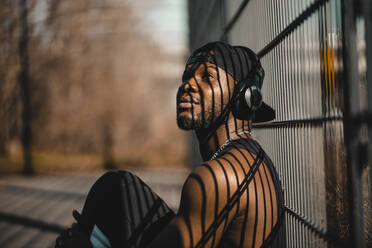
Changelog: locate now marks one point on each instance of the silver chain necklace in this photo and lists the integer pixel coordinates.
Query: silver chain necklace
(227, 142)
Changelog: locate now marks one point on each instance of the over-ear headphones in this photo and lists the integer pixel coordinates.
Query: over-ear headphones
(248, 96)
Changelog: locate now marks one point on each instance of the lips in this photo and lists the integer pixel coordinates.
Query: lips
(186, 102)
(185, 105)
(189, 99)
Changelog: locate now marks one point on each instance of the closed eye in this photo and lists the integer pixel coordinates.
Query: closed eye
(207, 76)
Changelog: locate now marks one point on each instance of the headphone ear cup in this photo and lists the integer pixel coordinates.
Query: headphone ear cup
(253, 98)
(249, 95)
(249, 99)
(240, 107)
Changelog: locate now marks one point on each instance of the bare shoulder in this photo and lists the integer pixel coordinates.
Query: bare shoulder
(216, 181)
(207, 192)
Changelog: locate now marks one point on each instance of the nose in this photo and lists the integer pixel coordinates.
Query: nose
(189, 85)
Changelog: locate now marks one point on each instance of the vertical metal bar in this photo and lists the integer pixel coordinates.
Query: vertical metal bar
(299, 133)
(282, 68)
(275, 51)
(262, 19)
(293, 72)
(296, 47)
(286, 145)
(308, 142)
(351, 108)
(287, 53)
(300, 129)
(307, 65)
(314, 132)
(308, 74)
(304, 127)
(333, 56)
(285, 115)
(367, 7)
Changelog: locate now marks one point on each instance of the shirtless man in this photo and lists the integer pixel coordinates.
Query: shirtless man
(233, 199)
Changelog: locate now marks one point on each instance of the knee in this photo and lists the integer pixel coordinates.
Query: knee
(107, 187)
(109, 176)
(113, 178)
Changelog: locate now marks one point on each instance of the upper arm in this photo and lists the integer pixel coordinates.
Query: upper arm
(203, 215)
(201, 210)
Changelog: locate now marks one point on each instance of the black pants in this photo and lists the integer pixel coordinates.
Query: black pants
(125, 210)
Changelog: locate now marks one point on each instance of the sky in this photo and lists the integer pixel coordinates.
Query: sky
(164, 20)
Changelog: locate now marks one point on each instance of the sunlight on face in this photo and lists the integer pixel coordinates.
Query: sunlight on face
(203, 95)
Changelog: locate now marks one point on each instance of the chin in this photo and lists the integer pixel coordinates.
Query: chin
(188, 121)
(185, 123)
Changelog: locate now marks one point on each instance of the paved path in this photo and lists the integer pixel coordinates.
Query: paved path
(33, 209)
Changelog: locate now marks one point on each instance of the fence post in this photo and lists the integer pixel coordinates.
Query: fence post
(367, 8)
(351, 128)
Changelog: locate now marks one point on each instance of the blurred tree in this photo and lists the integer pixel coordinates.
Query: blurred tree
(24, 81)
(15, 112)
(99, 86)
(9, 91)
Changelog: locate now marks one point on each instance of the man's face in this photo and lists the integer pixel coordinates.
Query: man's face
(203, 95)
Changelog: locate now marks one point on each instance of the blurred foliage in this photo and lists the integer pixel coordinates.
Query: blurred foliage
(98, 86)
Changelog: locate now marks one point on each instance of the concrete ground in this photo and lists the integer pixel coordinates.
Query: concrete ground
(34, 209)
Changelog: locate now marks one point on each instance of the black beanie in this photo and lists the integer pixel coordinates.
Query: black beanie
(238, 61)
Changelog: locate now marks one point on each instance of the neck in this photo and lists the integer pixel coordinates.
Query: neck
(232, 128)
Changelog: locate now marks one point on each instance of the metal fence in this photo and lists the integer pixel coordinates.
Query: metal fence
(315, 55)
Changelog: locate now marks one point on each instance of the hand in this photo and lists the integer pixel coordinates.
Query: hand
(75, 236)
